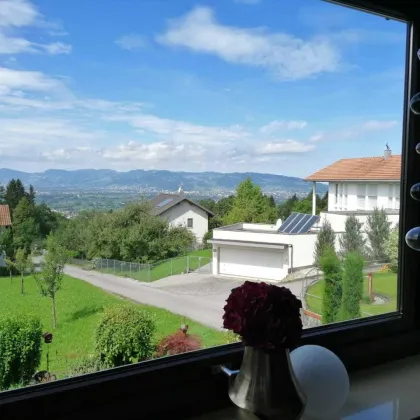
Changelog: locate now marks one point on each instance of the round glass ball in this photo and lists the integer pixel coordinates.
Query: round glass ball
(412, 238)
(415, 191)
(418, 148)
(415, 104)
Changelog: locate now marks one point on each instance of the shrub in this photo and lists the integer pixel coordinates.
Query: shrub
(20, 350)
(352, 239)
(124, 336)
(391, 248)
(231, 337)
(352, 286)
(325, 241)
(378, 230)
(386, 268)
(178, 343)
(208, 235)
(86, 365)
(331, 300)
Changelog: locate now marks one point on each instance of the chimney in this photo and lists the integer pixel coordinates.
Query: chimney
(387, 152)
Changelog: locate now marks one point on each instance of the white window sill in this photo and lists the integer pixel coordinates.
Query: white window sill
(386, 392)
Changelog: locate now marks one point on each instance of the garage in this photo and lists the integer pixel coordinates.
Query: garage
(259, 263)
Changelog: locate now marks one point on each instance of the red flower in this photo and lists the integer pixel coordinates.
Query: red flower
(264, 315)
(47, 337)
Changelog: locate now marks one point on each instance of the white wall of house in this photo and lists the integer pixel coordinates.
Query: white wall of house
(354, 196)
(179, 214)
(246, 259)
(338, 220)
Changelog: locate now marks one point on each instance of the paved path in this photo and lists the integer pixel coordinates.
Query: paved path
(200, 297)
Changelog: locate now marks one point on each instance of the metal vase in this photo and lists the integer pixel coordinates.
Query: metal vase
(267, 386)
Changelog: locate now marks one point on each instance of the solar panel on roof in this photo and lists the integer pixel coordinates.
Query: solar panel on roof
(298, 223)
(164, 202)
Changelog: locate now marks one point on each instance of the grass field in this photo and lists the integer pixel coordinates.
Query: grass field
(79, 308)
(158, 271)
(384, 284)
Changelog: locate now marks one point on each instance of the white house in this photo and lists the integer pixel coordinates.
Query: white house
(262, 251)
(357, 186)
(181, 211)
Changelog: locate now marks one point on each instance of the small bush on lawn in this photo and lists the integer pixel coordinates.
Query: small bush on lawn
(124, 336)
(20, 350)
(231, 337)
(86, 365)
(178, 343)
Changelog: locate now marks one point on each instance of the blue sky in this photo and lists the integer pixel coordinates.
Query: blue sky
(275, 86)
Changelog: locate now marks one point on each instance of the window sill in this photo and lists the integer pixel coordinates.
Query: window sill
(386, 392)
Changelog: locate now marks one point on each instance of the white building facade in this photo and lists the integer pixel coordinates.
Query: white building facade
(179, 210)
(259, 251)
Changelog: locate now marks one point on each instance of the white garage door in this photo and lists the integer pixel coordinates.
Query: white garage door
(264, 264)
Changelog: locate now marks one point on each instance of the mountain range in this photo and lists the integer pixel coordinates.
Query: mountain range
(155, 181)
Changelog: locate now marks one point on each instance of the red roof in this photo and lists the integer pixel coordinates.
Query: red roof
(5, 219)
(361, 169)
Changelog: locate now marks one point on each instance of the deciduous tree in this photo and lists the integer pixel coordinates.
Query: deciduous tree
(391, 247)
(22, 264)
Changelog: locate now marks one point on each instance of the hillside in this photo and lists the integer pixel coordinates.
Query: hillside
(202, 183)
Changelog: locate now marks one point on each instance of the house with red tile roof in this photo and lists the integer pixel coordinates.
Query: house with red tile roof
(5, 219)
(359, 185)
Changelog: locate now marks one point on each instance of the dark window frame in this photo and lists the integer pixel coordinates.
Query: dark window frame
(190, 225)
(182, 385)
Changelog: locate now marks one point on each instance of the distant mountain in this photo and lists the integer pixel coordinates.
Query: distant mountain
(151, 181)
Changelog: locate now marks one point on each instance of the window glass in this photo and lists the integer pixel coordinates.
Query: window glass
(157, 154)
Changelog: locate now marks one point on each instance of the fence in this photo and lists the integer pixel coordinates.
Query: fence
(372, 292)
(148, 272)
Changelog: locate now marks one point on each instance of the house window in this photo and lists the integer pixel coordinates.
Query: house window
(361, 197)
(336, 194)
(345, 186)
(397, 197)
(190, 223)
(390, 196)
(372, 193)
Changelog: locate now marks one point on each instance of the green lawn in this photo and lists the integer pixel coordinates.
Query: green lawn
(79, 308)
(160, 270)
(384, 284)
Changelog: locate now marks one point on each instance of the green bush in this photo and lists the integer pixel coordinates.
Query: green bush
(124, 336)
(352, 286)
(325, 241)
(331, 301)
(20, 350)
(86, 365)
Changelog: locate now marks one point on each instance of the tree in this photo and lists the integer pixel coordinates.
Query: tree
(6, 242)
(352, 286)
(323, 203)
(2, 195)
(332, 293)
(378, 230)
(15, 191)
(250, 205)
(324, 241)
(25, 227)
(50, 278)
(285, 209)
(22, 263)
(302, 206)
(391, 247)
(352, 239)
(31, 194)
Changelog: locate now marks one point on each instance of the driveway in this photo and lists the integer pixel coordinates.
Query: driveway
(200, 297)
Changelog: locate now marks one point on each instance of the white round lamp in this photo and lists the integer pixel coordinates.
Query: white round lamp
(323, 380)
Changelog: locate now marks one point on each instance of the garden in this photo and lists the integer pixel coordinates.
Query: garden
(80, 309)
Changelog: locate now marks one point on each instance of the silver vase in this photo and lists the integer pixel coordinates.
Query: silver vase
(267, 386)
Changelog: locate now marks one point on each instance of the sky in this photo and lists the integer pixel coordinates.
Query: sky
(271, 86)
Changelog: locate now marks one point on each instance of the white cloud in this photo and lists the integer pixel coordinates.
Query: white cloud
(29, 80)
(131, 42)
(354, 131)
(283, 147)
(17, 14)
(57, 48)
(286, 56)
(374, 125)
(275, 126)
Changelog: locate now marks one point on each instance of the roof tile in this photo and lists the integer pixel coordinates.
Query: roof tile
(5, 219)
(361, 169)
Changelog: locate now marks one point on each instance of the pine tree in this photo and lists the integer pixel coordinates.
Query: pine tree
(31, 194)
(324, 241)
(332, 292)
(352, 239)
(15, 191)
(352, 286)
(378, 230)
